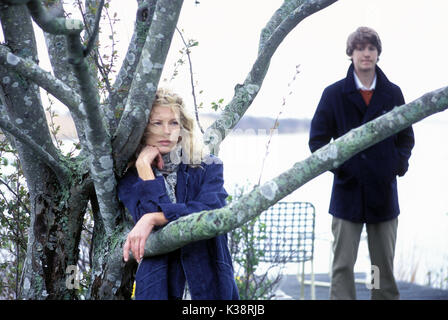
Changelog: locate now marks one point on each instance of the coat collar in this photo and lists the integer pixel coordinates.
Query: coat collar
(382, 82)
(381, 93)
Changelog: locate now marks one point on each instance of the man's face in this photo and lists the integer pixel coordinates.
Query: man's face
(365, 57)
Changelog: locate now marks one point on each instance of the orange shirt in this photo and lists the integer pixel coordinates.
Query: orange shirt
(366, 95)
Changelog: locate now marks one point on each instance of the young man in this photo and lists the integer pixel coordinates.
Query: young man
(365, 186)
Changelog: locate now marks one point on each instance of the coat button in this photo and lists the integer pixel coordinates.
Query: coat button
(363, 156)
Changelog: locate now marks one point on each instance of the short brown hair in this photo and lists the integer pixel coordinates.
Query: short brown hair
(361, 37)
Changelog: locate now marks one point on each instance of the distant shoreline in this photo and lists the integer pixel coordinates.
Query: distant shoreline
(255, 124)
(248, 125)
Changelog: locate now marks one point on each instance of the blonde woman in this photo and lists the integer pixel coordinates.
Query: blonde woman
(170, 177)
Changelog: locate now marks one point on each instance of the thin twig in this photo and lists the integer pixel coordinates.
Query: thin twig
(99, 60)
(112, 32)
(100, 65)
(187, 49)
(10, 226)
(54, 129)
(96, 28)
(96, 56)
(15, 195)
(276, 123)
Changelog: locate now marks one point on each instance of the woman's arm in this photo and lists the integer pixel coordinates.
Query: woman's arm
(148, 156)
(150, 205)
(209, 195)
(136, 239)
(142, 196)
(131, 194)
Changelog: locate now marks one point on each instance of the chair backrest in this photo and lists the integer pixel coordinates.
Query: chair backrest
(287, 232)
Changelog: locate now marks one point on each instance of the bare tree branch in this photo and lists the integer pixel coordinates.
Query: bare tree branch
(98, 139)
(141, 73)
(277, 18)
(246, 93)
(93, 34)
(19, 93)
(51, 24)
(57, 52)
(24, 108)
(145, 82)
(187, 50)
(275, 126)
(27, 68)
(123, 81)
(95, 61)
(57, 48)
(208, 224)
(58, 168)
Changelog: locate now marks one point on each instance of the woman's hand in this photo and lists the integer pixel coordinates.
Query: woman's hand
(136, 239)
(149, 155)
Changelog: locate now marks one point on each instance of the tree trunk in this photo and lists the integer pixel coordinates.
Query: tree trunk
(61, 188)
(49, 250)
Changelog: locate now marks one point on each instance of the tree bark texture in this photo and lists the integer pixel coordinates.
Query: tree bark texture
(109, 132)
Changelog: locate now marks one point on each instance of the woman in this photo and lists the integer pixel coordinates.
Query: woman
(159, 188)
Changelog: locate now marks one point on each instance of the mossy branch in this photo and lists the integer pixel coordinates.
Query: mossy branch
(61, 171)
(51, 24)
(44, 79)
(290, 15)
(116, 100)
(208, 224)
(145, 81)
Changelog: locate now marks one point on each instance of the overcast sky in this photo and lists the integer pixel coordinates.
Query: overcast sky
(414, 36)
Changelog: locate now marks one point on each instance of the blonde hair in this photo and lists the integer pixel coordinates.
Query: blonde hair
(193, 149)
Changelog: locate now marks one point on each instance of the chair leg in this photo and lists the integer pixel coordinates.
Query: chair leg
(302, 284)
(313, 288)
(299, 279)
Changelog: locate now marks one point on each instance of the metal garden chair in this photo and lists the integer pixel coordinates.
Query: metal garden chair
(287, 230)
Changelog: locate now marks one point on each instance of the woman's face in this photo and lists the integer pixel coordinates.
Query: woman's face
(163, 130)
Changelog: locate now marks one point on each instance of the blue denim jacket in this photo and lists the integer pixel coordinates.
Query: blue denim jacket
(205, 265)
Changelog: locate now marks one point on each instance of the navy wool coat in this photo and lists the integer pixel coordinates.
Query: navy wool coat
(205, 265)
(365, 186)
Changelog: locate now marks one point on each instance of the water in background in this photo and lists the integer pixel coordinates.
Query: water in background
(422, 243)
